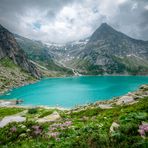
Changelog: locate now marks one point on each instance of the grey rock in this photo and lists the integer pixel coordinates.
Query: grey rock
(112, 52)
(50, 118)
(10, 49)
(10, 119)
(114, 127)
(125, 100)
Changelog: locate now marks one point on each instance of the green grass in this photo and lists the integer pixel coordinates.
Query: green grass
(132, 65)
(12, 75)
(6, 62)
(9, 111)
(89, 128)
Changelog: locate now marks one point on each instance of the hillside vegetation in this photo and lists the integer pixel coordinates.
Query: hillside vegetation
(11, 75)
(39, 52)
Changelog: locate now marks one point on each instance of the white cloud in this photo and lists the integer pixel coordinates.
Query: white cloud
(67, 20)
(146, 7)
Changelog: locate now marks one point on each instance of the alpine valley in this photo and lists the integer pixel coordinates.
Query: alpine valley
(73, 73)
(105, 52)
(96, 122)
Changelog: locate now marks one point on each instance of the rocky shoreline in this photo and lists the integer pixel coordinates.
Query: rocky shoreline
(127, 99)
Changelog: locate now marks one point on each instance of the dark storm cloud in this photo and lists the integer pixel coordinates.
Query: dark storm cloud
(132, 18)
(13, 9)
(66, 20)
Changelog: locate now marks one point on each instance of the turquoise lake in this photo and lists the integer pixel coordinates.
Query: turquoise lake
(71, 91)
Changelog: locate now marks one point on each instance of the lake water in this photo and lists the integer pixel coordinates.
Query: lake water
(71, 91)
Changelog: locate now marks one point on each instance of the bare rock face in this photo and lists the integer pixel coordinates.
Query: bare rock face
(109, 51)
(10, 49)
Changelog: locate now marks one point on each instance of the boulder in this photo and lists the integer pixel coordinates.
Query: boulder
(105, 106)
(125, 100)
(144, 87)
(50, 118)
(114, 126)
(10, 119)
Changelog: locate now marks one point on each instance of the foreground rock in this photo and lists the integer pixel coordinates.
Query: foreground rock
(125, 100)
(9, 102)
(50, 118)
(132, 97)
(114, 127)
(105, 106)
(10, 119)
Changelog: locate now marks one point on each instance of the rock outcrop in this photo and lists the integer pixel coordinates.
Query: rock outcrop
(10, 49)
(125, 100)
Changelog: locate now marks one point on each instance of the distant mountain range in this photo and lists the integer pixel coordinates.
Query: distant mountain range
(105, 52)
(40, 53)
(111, 52)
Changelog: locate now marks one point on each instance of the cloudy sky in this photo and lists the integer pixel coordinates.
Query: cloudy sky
(66, 20)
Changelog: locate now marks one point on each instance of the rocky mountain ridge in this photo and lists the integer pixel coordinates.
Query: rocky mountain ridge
(44, 55)
(106, 52)
(10, 49)
(111, 52)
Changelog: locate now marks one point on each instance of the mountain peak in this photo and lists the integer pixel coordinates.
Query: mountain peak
(104, 25)
(2, 28)
(103, 32)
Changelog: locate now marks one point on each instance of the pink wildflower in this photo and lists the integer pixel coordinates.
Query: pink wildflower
(143, 129)
(37, 132)
(54, 134)
(141, 132)
(35, 127)
(13, 129)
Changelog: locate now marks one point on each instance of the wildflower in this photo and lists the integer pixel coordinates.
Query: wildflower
(141, 132)
(13, 129)
(62, 128)
(143, 129)
(67, 123)
(35, 127)
(54, 134)
(52, 129)
(38, 131)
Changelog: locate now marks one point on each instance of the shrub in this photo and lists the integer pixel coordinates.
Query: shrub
(33, 111)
